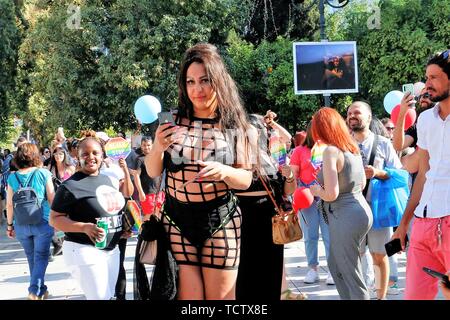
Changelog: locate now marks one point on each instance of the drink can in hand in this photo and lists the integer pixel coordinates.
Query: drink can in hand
(104, 226)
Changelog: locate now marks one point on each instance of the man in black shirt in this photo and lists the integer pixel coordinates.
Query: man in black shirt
(147, 187)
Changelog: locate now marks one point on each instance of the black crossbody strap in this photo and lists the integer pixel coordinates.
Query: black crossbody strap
(373, 151)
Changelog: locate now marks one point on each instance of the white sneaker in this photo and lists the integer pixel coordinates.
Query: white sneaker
(311, 277)
(373, 293)
(330, 280)
(393, 289)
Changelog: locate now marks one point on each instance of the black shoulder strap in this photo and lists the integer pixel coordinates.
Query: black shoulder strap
(373, 151)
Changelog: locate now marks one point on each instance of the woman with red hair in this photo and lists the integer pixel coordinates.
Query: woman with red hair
(342, 203)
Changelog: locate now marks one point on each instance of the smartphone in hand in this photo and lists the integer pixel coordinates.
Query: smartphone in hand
(408, 87)
(440, 276)
(394, 246)
(166, 117)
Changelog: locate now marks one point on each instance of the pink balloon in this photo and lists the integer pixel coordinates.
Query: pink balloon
(303, 198)
(410, 117)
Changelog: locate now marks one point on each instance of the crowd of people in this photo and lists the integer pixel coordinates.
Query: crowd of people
(209, 177)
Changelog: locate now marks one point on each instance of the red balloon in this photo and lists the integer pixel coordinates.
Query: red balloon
(410, 117)
(303, 198)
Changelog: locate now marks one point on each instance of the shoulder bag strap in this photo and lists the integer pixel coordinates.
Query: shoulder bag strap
(373, 151)
(277, 209)
(18, 180)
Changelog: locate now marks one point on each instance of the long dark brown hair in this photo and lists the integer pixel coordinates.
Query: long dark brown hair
(230, 111)
(309, 140)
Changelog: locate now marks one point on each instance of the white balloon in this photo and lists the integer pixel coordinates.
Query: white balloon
(146, 109)
(391, 99)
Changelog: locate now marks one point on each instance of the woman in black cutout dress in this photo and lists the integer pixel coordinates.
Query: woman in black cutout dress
(204, 164)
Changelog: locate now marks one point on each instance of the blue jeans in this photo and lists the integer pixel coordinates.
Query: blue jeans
(314, 220)
(35, 240)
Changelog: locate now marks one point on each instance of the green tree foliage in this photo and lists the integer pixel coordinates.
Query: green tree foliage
(9, 42)
(269, 19)
(90, 77)
(266, 79)
(396, 53)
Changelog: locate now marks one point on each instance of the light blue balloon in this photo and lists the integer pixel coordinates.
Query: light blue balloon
(392, 99)
(146, 109)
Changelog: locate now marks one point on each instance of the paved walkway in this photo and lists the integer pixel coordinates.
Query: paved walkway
(14, 273)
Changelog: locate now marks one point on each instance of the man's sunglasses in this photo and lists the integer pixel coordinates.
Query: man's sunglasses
(426, 95)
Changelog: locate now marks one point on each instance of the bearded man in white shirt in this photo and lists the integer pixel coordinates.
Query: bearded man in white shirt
(430, 197)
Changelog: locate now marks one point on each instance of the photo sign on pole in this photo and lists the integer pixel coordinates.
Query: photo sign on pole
(117, 148)
(325, 67)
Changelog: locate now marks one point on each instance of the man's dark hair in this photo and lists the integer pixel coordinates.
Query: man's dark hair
(442, 60)
(363, 103)
(146, 138)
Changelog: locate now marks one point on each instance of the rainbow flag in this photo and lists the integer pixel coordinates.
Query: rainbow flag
(133, 208)
(317, 154)
(277, 149)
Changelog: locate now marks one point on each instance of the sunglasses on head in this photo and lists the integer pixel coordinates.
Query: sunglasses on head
(444, 55)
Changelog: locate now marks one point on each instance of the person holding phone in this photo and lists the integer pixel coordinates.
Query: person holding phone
(206, 157)
(430, 196)
(402, 139)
